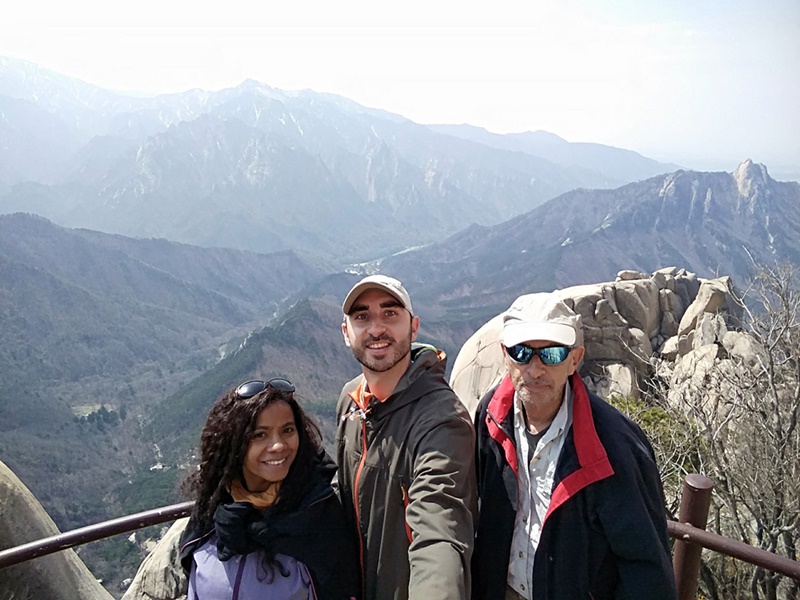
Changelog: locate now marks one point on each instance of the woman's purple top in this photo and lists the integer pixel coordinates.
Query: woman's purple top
(245, 577)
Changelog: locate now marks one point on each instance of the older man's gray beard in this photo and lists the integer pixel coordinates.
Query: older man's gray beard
(399, 351)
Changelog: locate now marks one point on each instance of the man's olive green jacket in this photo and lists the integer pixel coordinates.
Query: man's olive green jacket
(407, 481)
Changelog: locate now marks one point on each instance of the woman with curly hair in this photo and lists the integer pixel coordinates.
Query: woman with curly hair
(266, 521)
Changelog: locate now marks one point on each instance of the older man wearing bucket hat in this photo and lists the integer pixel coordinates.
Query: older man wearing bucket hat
(571, 500)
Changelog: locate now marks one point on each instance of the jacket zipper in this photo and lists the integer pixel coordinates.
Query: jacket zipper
(355, 501)
(405, 509)
(238, 581)
(311, 579)
(496, 422)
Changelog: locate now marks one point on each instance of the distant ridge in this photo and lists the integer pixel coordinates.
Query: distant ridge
(710, 222)
(256, 168)
(618, 164)
(131, 300)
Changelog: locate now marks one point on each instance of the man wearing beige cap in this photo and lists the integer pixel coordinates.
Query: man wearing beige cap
(570, 495)
(406, 451)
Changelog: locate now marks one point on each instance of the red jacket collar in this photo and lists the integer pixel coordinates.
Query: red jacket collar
(500, 405)
(592, 457)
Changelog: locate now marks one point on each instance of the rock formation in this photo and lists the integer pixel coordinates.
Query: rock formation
(160, 576)
(626, 323)
(59, 576)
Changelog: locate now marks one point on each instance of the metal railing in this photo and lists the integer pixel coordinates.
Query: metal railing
(689, 533)
(691, 537)
(92, 533)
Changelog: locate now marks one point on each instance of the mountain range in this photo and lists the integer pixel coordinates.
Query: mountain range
(709, 223)
(95, 324)
(121, 322)
(261, 169)
(156, 251)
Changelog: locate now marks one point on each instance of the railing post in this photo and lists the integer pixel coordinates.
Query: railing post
(695, 502)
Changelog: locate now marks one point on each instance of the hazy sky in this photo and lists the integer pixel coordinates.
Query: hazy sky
(696, 82)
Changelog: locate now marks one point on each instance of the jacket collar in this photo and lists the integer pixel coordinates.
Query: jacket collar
(425, 359)
(500, 421)
(592, 457)
(318, 488)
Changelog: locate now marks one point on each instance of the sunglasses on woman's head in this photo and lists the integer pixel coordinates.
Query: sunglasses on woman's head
(250, 388)
(552, 355)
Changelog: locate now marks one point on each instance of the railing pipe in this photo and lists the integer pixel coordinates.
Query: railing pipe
(91, 533)
(685, 533)
(735, 549)
(695, 502)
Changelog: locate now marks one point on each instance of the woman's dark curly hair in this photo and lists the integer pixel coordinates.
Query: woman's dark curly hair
(223, 447)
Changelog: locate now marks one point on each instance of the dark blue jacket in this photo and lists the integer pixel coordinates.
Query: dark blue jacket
(604, 535)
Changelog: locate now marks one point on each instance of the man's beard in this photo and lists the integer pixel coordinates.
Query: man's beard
(399, 351)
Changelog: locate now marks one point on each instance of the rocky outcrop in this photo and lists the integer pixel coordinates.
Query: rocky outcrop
(709, 359)
(626, 323)
(160, 576)
(59, 576)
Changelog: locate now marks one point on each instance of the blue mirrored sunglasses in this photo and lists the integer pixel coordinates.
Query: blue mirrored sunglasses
(552, 355)
(250, 388)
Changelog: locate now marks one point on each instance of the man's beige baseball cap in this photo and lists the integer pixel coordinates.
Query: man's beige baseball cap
(390, 285)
